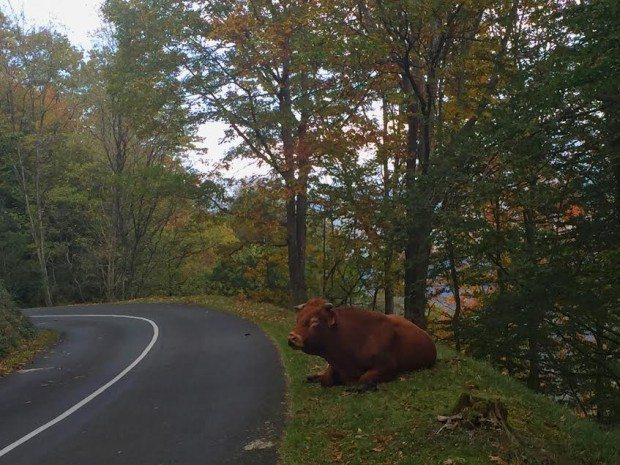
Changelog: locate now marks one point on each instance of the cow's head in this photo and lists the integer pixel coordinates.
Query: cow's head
(314, 321)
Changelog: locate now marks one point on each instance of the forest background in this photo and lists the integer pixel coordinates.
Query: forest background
(454, 161)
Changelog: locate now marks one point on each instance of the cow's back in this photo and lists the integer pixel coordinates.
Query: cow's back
(363, 333)
(414, 347)
(366, 335)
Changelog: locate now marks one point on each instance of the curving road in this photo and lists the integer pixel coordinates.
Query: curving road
(144, 384)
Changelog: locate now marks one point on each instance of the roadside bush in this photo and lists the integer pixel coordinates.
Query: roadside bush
(14, 326)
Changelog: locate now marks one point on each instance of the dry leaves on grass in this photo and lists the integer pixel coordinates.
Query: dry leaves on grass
(335, 450)
(382, 441)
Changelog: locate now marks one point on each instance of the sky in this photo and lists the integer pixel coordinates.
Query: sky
(79, 20)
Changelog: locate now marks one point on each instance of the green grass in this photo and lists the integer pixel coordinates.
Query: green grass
(398, 424)
(25, 351)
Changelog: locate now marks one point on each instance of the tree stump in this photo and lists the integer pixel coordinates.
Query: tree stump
(473, 412)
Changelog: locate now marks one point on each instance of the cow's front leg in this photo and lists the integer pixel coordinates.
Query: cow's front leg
(327, 379)
(369, 380)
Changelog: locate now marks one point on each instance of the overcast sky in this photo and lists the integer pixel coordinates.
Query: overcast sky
(79, 20)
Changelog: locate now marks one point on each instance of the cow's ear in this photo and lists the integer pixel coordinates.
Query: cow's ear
(331, 315)
(298, 307)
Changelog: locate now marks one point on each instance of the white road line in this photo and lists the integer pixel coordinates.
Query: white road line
(86, 400)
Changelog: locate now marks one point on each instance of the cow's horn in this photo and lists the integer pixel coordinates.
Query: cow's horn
(299, 307)
(329, 305)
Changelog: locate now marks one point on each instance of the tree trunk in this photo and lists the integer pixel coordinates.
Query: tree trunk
(612, 125)
(413, 311)
(499, 246)
(324, 259)
(295, 176)
(456, 291)
(536, 315)
(42, 256)
(388, 280)
(116, 147)
(296, 212)
(41, 246)
(388, 283)
(417, 256)
(420, 118)
(117, 240)
(389, 299)
(533, 353)
(299, 290)
(600, 391)
(35, 220)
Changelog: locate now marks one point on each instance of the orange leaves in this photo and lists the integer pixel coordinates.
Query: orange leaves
(574, 211)
(44, 108)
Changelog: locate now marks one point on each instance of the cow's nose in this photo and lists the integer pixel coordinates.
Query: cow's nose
(294, 340)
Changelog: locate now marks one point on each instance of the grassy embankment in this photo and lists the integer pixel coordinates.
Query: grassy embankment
(25, 351)
(19, 339)
(398, 424)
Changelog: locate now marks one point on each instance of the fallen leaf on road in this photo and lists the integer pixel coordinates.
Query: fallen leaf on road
(258, 444)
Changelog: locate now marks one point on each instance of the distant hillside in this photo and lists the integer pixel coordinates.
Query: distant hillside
(14, 327)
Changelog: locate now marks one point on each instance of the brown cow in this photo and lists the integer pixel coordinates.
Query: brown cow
(361, 346)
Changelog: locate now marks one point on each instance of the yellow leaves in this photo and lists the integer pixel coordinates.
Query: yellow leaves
(260, 32)
(233, 28)
(25, 351)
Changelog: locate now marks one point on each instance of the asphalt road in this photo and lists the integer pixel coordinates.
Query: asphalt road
(179, 385)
